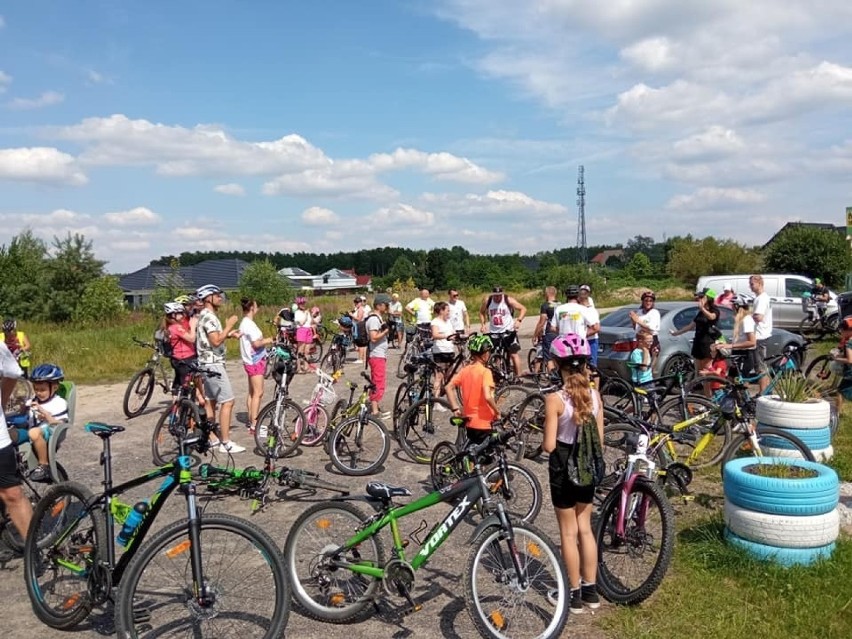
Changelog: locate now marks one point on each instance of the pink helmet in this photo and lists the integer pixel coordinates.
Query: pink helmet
(301, 300)
(568, 346)
(315, 310)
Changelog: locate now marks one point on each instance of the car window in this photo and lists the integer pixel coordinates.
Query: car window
(795, 287)
(684, 317)
(618, 319)
(726, 319)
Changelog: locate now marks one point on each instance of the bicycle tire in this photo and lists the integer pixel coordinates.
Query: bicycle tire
(491, 593)
(617, 393)
(348, 451)
(620, 440)
(614, 553)
(509, 397)
(810, 328)
(740, 444)
(697, 385)
(530, 417)
(138, 393)
(10, 534)
(281, 432)
(338, 410)
(821, 369)
(532, 358)
(322, 333)
(681, 445)
(315, 425)
(407, 356)
(61, 598)
(331, 361)
(243, 569)
(164, 446)
(524, 502)
(401, 403)
(341, 596)
(445, 467)
(314, 354)
(417, 429)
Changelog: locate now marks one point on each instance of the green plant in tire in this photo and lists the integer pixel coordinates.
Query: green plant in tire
(795, 388)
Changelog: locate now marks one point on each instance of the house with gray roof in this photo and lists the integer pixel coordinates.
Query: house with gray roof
(139, 286)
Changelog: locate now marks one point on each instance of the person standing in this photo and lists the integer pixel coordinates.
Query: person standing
(304, 333)
(572, 317)
(181, 336)
(762, 314)
(443, 350)
(395, 318)
(475, 382)
(377, 329)
(544, 332)
(358, 314)
(496, 313)
(459, 317)
(593, 338)
(704, 325)
(18, 344)
(726, 299)
(210, 345)
(421, 311)
(647, 318)
(253, 353)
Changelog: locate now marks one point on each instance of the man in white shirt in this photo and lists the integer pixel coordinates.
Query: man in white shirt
(762, 314)
(459, 317)
(17, 505)
(421, 310)
(573, 317)
(496, 317)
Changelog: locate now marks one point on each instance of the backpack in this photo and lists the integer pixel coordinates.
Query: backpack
(163, 341)
(359, 333)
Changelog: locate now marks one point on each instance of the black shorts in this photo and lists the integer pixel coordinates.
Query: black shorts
(701, 347)
(443, 358)
(508, 340)
(9, 468)
(563, 492)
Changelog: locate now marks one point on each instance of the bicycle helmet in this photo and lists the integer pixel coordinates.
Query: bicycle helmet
(480, 344)
(300, 300)
(572, 291)
(9, 325)
(207, 290)
(742, 300)
(649, 294)
(182, 299)
(570, 346)
(47, 373)
(170, 308)
(345, 321)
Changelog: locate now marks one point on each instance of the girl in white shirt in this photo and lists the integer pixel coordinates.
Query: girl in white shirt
(443, 349)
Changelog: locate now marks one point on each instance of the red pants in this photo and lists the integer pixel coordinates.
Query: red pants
(378, 375)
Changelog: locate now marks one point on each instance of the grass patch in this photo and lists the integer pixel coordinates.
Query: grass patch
(715, 590)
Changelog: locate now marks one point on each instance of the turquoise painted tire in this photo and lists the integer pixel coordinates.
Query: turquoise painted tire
(775, 496)
(814, 438)
(784, 556)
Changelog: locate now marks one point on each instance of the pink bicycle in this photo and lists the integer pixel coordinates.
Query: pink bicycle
(316, 419)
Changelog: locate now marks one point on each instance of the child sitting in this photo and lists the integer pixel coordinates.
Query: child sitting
(640, 359)
(718, 364)
(48, 410)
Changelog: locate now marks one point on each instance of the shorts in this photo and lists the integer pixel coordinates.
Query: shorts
(304, 335)
(508, 340)
(443, 358)
(477, 435)
(701, 347)
(546, 342)
(9, 477)
(563, 492)
(253, 370)
(22, 435)
(218, 389)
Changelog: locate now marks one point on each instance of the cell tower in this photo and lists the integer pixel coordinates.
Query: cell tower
(581, 217)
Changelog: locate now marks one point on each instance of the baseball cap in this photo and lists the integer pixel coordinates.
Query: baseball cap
(708, 292)
(381, 298)
(585, 287)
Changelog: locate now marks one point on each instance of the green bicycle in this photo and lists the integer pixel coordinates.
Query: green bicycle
(514, 579)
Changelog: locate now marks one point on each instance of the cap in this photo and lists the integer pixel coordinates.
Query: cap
(727, 287)
(381, 298)
(585, 287)
(706, 292)
(497, 289)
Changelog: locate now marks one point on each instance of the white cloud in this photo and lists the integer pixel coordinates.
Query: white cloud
(400, 216)
(492, 203)
(444, 166)
(318, 216)
(652, 54)
(94, 77)
(714, 142)
(708, 198)
(329, 182)
(229, 189)
(48, 98)
(40, 164)
(139, 216)
(5, 81)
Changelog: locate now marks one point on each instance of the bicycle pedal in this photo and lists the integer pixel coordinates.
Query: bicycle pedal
(408, 610)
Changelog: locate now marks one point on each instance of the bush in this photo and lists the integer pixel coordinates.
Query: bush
(102, 300)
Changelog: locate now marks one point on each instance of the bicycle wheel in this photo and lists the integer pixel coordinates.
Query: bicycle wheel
(520, 492)
(704, 443)
(60, 576)
(824, 370)
(359, 447)
(631, 566)
(322, 333)
(496, 603)
(402, 402)
(617, 393)
(509, 397)
(10, 534)
(810, 328)
(530, 417)
(418, 430)
(338, 410)
(314, 426)
(332, 361)
(406, 358)
(314, 352)
(711, 386)
(314, 553)
(533, 360)
(445, 467)
(277, 427)
(164, 445)
(773, 442)
(247, 593)
(138, 392)
(16, 403)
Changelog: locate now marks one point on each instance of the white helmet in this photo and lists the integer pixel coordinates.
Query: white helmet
(207, 290)
(173, 307)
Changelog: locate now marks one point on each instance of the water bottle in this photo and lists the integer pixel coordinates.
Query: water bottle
(134, 518)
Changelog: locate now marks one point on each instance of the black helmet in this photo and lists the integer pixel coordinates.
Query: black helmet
(572, 291)
(9, 325)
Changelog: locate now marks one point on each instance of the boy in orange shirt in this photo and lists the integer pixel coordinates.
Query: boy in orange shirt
(476, 384)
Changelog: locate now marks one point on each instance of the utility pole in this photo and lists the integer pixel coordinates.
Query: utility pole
(582, 256)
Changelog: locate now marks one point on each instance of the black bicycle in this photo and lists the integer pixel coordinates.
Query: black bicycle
(141, 386)
(215, 575)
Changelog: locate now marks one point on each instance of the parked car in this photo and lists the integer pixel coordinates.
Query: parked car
(617, 339)
(785, 294)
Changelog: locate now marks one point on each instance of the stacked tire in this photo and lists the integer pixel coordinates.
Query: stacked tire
(809, 421)
(791, 521)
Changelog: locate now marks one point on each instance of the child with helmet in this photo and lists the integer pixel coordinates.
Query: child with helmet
(18, 344)
(47, 410)
(573, 432)
(476, 384)
(180, 330)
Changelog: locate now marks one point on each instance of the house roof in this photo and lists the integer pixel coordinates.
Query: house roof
(294, 271)
(337, 273)
(813, 225)
(223, 273)
(602, 257)
(360, 280)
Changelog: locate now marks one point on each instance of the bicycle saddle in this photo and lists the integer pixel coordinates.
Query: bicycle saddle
(380, 490)
(103, 430)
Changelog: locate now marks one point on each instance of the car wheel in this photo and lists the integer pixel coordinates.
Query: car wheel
(680, 363)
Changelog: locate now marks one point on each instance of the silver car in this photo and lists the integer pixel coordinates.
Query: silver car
(617, 339)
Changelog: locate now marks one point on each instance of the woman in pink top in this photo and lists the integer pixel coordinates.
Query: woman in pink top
(576, 406)
(181, 332)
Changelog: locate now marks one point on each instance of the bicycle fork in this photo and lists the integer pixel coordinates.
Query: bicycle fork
(204, 597)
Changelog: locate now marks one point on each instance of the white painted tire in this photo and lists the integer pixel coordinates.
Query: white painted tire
(774, 412)
(820, 455)
(782, 531)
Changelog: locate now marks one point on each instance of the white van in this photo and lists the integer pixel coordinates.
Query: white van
(785, 293)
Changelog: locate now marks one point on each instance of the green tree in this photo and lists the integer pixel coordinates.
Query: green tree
(639, 267)
(102, 300)
(810, 251)
(72, 267)
(262, 282)
(168, 288)
(689, 258)
(24, 286)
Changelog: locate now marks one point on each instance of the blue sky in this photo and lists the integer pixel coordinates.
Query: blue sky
(154, 128)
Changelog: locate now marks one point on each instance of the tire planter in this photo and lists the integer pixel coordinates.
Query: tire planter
(809, 421)
(789, 521)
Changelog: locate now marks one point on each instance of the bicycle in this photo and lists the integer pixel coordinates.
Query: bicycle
(417, 341)
(316, 415)
(416, 429)
(817, 324)
(279, 421)
(518, 488)
(141, 386)
(334, 359)
(635, 527)
(183, 579)
(336, 562)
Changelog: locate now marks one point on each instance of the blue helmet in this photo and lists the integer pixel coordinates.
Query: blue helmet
(47, 373)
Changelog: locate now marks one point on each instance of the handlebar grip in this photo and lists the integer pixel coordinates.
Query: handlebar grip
(367, 377)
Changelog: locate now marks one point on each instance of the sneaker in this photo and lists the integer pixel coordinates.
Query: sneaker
(589, 596)
(358, 361)
(576, 602)
(230, 448)
(41, 473)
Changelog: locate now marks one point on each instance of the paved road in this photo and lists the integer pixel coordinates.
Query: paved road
(438, 586)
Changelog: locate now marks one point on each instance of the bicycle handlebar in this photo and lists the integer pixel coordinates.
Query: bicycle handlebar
(139, 342)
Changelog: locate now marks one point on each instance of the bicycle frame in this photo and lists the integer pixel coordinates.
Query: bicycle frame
(630, 477)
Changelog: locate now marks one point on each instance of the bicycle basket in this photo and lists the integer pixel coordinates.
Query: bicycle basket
(326, 394)
(282, 367)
